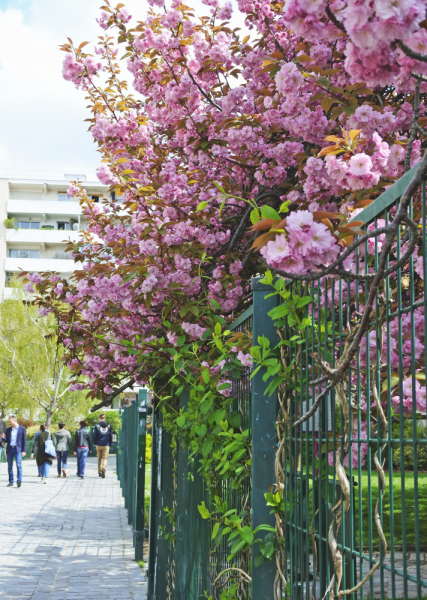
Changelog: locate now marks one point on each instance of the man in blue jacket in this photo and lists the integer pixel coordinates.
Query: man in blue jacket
(102, 438)
(16, 439)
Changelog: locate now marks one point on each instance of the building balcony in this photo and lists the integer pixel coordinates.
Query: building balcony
(41, 236)
(34, 265)
(43, 207)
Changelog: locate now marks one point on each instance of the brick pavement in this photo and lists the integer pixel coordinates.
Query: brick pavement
(67, 540)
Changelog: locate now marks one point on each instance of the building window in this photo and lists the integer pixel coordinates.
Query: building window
(95, 198)
(64, 197)
(13, 253)
(28, 225)
(63, 225)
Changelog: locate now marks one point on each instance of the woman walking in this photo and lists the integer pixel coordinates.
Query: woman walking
(43, 459)
(61, 441)
(83, 446)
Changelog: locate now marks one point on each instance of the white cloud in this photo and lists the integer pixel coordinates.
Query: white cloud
(42, 116)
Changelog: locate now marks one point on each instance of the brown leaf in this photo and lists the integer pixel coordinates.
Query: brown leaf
(363, 203)
(318, 215)
(266, 224)
(263, 239)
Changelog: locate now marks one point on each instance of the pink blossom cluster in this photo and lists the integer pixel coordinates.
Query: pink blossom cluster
(305, 245)
(251, 117)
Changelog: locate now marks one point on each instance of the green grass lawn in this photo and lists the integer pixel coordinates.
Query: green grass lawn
(403, 525)
(406, 526)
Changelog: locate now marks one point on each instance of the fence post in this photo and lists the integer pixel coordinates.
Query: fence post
(192, 532)
(161, 558)
(264, 438)
(139, 531)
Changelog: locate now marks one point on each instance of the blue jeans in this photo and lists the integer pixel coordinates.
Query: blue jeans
(44, 469)
(18, 458)
(62, 458)
(81, 460)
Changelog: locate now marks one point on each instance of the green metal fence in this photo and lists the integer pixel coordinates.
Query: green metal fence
(182, 560)
(391, 362)
(131, 466)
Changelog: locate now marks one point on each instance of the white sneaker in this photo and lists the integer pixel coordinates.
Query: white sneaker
(45, 481)
(42, 479)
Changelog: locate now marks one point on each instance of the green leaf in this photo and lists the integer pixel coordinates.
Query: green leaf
(207, 447)
(255, 216)
(263, 341)
(235, 419)
(180, 421)
(265, 528)
(285, 207)
(201, 206)
(217, 329)
(215, 530)
(224, 386)
(267, 212)
(247, 535)
(303, 301)
(221, 189)
(269, 550)
(259, 559)
(204, 511)
(206, 405)
(292, 320)
(238, 545)
(278, 312)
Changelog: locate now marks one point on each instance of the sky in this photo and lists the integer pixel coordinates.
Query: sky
(42, 128)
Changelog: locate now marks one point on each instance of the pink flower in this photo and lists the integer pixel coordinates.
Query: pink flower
(245, 359)
(299, 220)
(322, 238)
(277, 249)
(29, 288)
(360, 164)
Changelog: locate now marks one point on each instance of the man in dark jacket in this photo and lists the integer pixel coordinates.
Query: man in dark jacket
(2, 437)
(102, 438)
(16, 439)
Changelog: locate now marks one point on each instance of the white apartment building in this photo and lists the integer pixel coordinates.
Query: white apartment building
(45, 218)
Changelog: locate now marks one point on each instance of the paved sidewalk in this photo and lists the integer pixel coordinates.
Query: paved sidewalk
(67, 540)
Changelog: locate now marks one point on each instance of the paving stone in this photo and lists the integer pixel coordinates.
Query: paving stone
(67, 540)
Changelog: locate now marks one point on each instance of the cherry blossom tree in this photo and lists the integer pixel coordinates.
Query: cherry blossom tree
(234, 155)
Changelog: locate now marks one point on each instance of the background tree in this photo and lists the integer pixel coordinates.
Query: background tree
(31, 362)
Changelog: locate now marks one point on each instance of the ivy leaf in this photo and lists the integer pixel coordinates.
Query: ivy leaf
(180, 421)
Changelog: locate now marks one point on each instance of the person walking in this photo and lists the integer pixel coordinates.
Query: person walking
(83, 446)
(39, 469)
(2, 437)
(16, 439)
(61, 440)
(43, 459)
(102, 438)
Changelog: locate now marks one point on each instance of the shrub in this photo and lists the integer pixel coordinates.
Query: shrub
(10, 224)
(111, 416)
(148, 445)
(25, 422)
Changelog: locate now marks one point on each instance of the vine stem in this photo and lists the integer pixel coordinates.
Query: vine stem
(248, 577)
